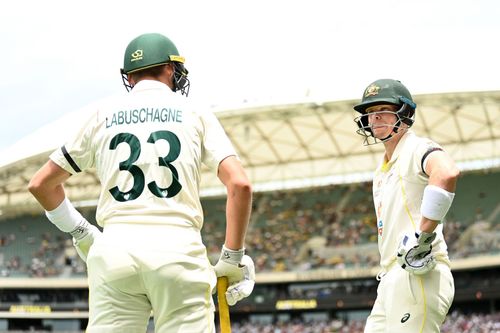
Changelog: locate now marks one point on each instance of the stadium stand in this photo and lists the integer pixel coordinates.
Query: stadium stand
(32, 247)
(312, 242)
(328, 227)
(324, 227)
(456, 322)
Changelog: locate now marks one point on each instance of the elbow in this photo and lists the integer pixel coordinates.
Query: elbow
(450, 177)
(242, 187)
(35, 187)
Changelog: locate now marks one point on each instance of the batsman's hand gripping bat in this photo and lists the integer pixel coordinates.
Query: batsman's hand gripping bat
(225, 322)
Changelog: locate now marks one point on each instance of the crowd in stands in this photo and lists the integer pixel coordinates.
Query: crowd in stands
(326, 234)
(297, 326)
(456, 322)
(330, 227)
(288, 228)
(49, 254)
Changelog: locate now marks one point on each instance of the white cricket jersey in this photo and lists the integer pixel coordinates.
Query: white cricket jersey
(398, 188)
(147, 147)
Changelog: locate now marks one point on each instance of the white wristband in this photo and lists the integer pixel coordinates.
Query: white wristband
(436, 202)
(65, 216)
(232, 256)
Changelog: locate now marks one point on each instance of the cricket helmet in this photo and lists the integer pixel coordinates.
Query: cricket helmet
(385, 91)
(151, 50)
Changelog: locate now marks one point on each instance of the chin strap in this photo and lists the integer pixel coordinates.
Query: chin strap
(387, 138)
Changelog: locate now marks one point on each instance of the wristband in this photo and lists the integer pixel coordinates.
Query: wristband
(81, 230)
(436, 202)
(65, 216)
(232, 256)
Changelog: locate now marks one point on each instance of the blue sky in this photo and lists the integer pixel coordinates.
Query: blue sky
(58, 56)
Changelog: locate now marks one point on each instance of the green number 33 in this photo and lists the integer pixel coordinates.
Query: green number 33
(138, 174)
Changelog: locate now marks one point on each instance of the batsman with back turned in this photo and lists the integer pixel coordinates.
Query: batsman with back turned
(413, 189)
(147, 147)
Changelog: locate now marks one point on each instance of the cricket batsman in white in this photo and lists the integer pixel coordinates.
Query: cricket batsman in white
(148, 147)
(413, 189)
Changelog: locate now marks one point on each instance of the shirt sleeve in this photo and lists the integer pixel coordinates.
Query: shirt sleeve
(216, 143)
(424, 149)
(77, 154)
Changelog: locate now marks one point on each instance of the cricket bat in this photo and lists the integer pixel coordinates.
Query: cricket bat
(225, 322)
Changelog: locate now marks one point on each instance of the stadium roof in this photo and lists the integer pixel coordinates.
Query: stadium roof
(295, 145)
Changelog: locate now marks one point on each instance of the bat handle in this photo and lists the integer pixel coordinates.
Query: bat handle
(225, 323)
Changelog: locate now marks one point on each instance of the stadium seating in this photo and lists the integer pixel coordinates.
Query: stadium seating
(31, 246)
(324, 227)
(456, 322)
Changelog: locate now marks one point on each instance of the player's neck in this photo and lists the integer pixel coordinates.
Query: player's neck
(390, 146)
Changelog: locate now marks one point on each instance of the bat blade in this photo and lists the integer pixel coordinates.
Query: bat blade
(225, 322)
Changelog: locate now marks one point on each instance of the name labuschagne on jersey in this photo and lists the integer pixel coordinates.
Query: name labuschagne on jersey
(144, 115)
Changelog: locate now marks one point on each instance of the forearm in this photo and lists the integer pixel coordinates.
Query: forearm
(49, 197)
(427, 225)
(46, 185)
(238, 209)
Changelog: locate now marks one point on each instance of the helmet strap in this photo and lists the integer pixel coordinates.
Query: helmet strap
(395, 128)
(125, 80)
(387, 138)
(180, 79)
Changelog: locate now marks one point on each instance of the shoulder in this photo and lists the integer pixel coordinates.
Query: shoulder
(422, 144)
(423, 148)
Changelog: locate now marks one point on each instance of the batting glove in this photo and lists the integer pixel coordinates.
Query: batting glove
(83, 237)
(414, 253)
(240, 271)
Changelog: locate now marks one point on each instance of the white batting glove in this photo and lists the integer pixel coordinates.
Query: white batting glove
(414, 253)
(240, 271)
(83, 237)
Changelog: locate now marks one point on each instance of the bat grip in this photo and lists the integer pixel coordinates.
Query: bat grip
(225, 323)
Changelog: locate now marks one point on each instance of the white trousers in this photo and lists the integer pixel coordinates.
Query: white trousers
(412, 303)
(136, 270)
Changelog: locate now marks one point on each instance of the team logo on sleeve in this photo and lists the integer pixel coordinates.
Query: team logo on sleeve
(380, 227)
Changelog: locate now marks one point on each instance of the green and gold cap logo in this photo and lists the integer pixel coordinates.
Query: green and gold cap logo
(137, 55)
(372, 90)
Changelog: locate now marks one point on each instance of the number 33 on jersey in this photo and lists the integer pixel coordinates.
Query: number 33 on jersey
(136, 172)
(147, 158)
